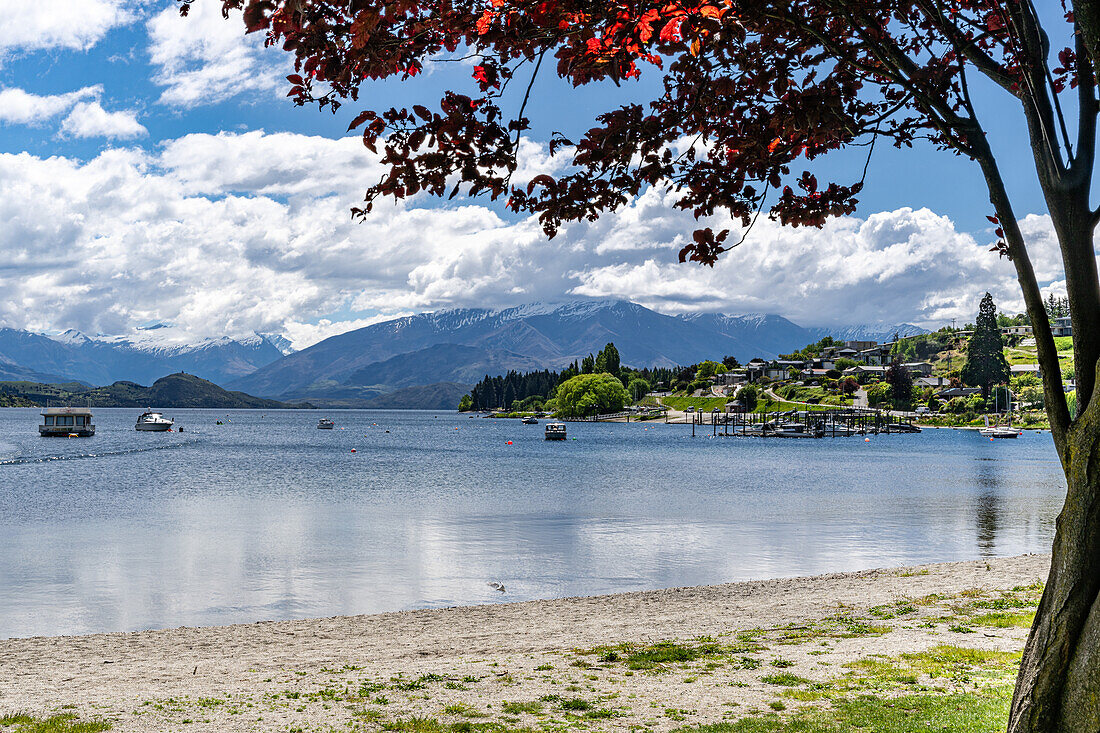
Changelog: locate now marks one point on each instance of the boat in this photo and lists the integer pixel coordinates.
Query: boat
(153, 422)
(999, 431)
(325, 424)
(66, 422)
(902, 427)
(529, 420)
(555, 431)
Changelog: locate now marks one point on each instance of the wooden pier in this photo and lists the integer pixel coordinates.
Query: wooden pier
(839, 423)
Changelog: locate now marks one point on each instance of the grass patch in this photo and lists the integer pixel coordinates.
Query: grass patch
(515, 708)
(784, 679)
(431, 725)
(659, 656)
(1004, 620)
(65, 723)
(979, 712)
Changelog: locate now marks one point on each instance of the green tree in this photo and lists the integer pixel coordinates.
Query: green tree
(588, 364)
(845, 363)
(466, 403)
(591, 394)
(706, 369)
(878, 393)
(638, 388)
(985, 358)
(748, 395)
(607, 361)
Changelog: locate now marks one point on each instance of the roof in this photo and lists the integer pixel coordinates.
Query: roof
(67, 411)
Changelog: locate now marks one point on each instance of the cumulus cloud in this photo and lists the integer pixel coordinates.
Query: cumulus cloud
(204, 59)
(233, 233)
(20, 107)
(89, 119)
(31, 25)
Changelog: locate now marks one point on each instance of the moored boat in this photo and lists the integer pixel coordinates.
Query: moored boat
(153, 422)
(555, 431)
(530, 420)
(66, 422)
(999, 431)
(325, 424)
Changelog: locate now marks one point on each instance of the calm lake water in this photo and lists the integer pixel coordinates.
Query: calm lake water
(267, 517)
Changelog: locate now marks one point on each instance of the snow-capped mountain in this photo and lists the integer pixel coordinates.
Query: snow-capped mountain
(462, 345)
(143, 356)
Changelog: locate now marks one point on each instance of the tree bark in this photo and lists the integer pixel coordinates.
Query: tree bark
(1058, 689)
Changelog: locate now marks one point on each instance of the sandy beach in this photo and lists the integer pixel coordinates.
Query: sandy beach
(522, 664)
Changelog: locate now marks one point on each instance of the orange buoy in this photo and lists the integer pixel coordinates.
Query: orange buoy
(866, 440)
(352, 450)
(509, 442)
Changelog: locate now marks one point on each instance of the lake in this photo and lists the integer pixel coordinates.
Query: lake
(267, 517)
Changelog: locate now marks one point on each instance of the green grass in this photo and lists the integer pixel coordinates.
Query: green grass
(704, 404)
(65, 723)
(1004, 620)
(784, 679)
(515, 708)
(979, 712)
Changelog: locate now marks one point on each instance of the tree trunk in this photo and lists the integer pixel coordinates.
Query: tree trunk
(1058, 689)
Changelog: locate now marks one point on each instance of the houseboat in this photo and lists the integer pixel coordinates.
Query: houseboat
(153, 422)
(67, 422)
(555, 431)
(325, 424)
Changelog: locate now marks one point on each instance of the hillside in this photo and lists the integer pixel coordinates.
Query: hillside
(461, 346)
(175, 390)
(141, 357)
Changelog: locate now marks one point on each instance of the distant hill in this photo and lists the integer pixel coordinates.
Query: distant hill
(461, 346)
(175, 390)
(141, 357)
(443, 396)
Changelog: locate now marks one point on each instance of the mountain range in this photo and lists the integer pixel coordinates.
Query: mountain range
(427, 360)
(460, 346)
(143, 357)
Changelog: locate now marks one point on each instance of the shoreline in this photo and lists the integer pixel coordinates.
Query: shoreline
(279, 675)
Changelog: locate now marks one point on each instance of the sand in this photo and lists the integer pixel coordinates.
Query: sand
(453, 664)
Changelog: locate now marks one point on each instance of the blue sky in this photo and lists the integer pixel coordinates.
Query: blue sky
(151, 169)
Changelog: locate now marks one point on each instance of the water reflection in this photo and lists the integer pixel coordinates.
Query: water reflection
(249, 521)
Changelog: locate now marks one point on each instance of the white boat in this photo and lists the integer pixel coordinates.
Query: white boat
(529, 420)
(153, 422)
(1000, 431)
(66, 422)
(325, 424)
(555, 431)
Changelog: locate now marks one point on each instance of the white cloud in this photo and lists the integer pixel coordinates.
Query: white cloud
(31, 25)
(229, 234)
(89, 119)
(204, 59)
(20, 107)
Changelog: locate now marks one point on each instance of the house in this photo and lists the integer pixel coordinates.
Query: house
(953, 392)
(731, 378)
(860, 345)
(1017, 369)
(918, 368)
(1062, 326)
(873, 357)
(755, 369)
(1016, 331)
(861, 369)
(933, 382)
(781, 368)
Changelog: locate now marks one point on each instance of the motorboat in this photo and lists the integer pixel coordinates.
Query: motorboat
(555, 431)
(325, 424)
(153, 422)
(530, 420)
(66, 422)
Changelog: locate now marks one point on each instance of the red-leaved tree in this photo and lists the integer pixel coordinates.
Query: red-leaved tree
(752, 93)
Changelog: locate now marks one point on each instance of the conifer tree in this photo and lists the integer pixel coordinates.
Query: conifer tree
(985, 358)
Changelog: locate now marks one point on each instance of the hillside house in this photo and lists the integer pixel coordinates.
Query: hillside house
(918, 368)
(933, 382)
(953, 392)
(1061, 326)
(864, 369)
(1018, 369)
(1016, 331)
